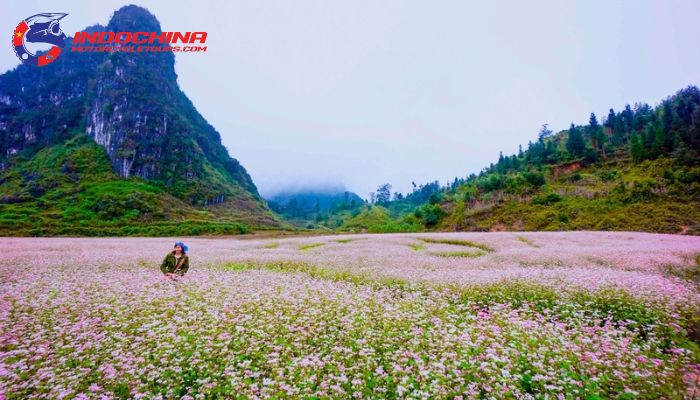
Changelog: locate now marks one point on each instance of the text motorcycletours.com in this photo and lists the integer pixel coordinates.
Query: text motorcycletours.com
(44, 29)
(87, 42)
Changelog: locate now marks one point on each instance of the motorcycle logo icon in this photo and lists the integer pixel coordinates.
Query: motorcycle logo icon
(39, 29)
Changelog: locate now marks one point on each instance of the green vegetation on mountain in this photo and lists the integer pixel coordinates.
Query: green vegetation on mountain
(71, 189)
(638, 170)
(324, 207)
(108, 144)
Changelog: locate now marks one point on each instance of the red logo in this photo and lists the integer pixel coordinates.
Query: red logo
(39, 29)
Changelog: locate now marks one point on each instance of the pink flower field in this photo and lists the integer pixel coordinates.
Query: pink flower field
(533, 315)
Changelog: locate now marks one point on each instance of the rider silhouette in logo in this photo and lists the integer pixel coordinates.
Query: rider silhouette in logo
(39, 28)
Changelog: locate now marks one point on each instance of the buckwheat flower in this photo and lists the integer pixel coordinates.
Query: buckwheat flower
(94, 388)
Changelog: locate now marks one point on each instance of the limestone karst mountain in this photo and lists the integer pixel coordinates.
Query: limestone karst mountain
(123, 119)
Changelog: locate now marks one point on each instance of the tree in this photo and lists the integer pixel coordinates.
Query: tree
(627, 117)
(593, 122)
(514, 162)
(601, 140)
(666, 126)
(575, 144)
(383, 195)
(610, 121)
(550, 152)
(536, 153)
(596, 135)
(659, 146)
(616, 126)
(619, 132)
(693, 131)
(636, 148)
(648, 138)
(545, 132)
(643, 113)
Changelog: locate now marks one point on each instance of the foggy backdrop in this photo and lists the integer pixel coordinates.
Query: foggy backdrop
(365, 92)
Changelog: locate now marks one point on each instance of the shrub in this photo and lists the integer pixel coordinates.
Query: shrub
(575, 177)
(546, 199)
(469, 192)
(690, 176)
(514, 183)
(490, 182)
(635, 192)
(669, 176)
(434, 199)
(432, 214)
(608, 175)
(535, 179)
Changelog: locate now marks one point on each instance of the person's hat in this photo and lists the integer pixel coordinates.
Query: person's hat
(183, 246)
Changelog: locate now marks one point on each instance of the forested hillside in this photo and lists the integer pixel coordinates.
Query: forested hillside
(312, 208)
(634, 169)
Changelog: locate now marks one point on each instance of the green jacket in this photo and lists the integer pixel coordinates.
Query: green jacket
(169, 263)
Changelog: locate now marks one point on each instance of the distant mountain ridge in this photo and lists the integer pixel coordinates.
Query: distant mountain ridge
(301, 201)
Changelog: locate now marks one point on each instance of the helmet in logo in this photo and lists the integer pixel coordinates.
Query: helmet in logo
(39, 28)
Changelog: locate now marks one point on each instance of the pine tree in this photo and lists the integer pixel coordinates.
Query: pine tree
(596, 135)
(648, 138)
(545, 132)
(593, 122)
(610, 121)
(550, 152)
(643, 113)
(575, 144)
(659, 146)
(616, 125)
(667, 126)
(506, 164)
(601, 141)
(515, 162)
(636, 148)
(536, 153)
(628, 119)
(501, 164)
(593, 127)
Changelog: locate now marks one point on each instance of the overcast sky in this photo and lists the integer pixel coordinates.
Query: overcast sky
(365, 92)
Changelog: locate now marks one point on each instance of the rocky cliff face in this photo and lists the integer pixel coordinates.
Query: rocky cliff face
(130, 104)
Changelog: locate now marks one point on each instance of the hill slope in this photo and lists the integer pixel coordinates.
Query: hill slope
(652, 196)
(146, 141)
(638, 170)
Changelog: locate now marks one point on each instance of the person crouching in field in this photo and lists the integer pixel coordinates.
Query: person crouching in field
(176, 263)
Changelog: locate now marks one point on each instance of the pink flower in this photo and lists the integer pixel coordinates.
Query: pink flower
(94, 388)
